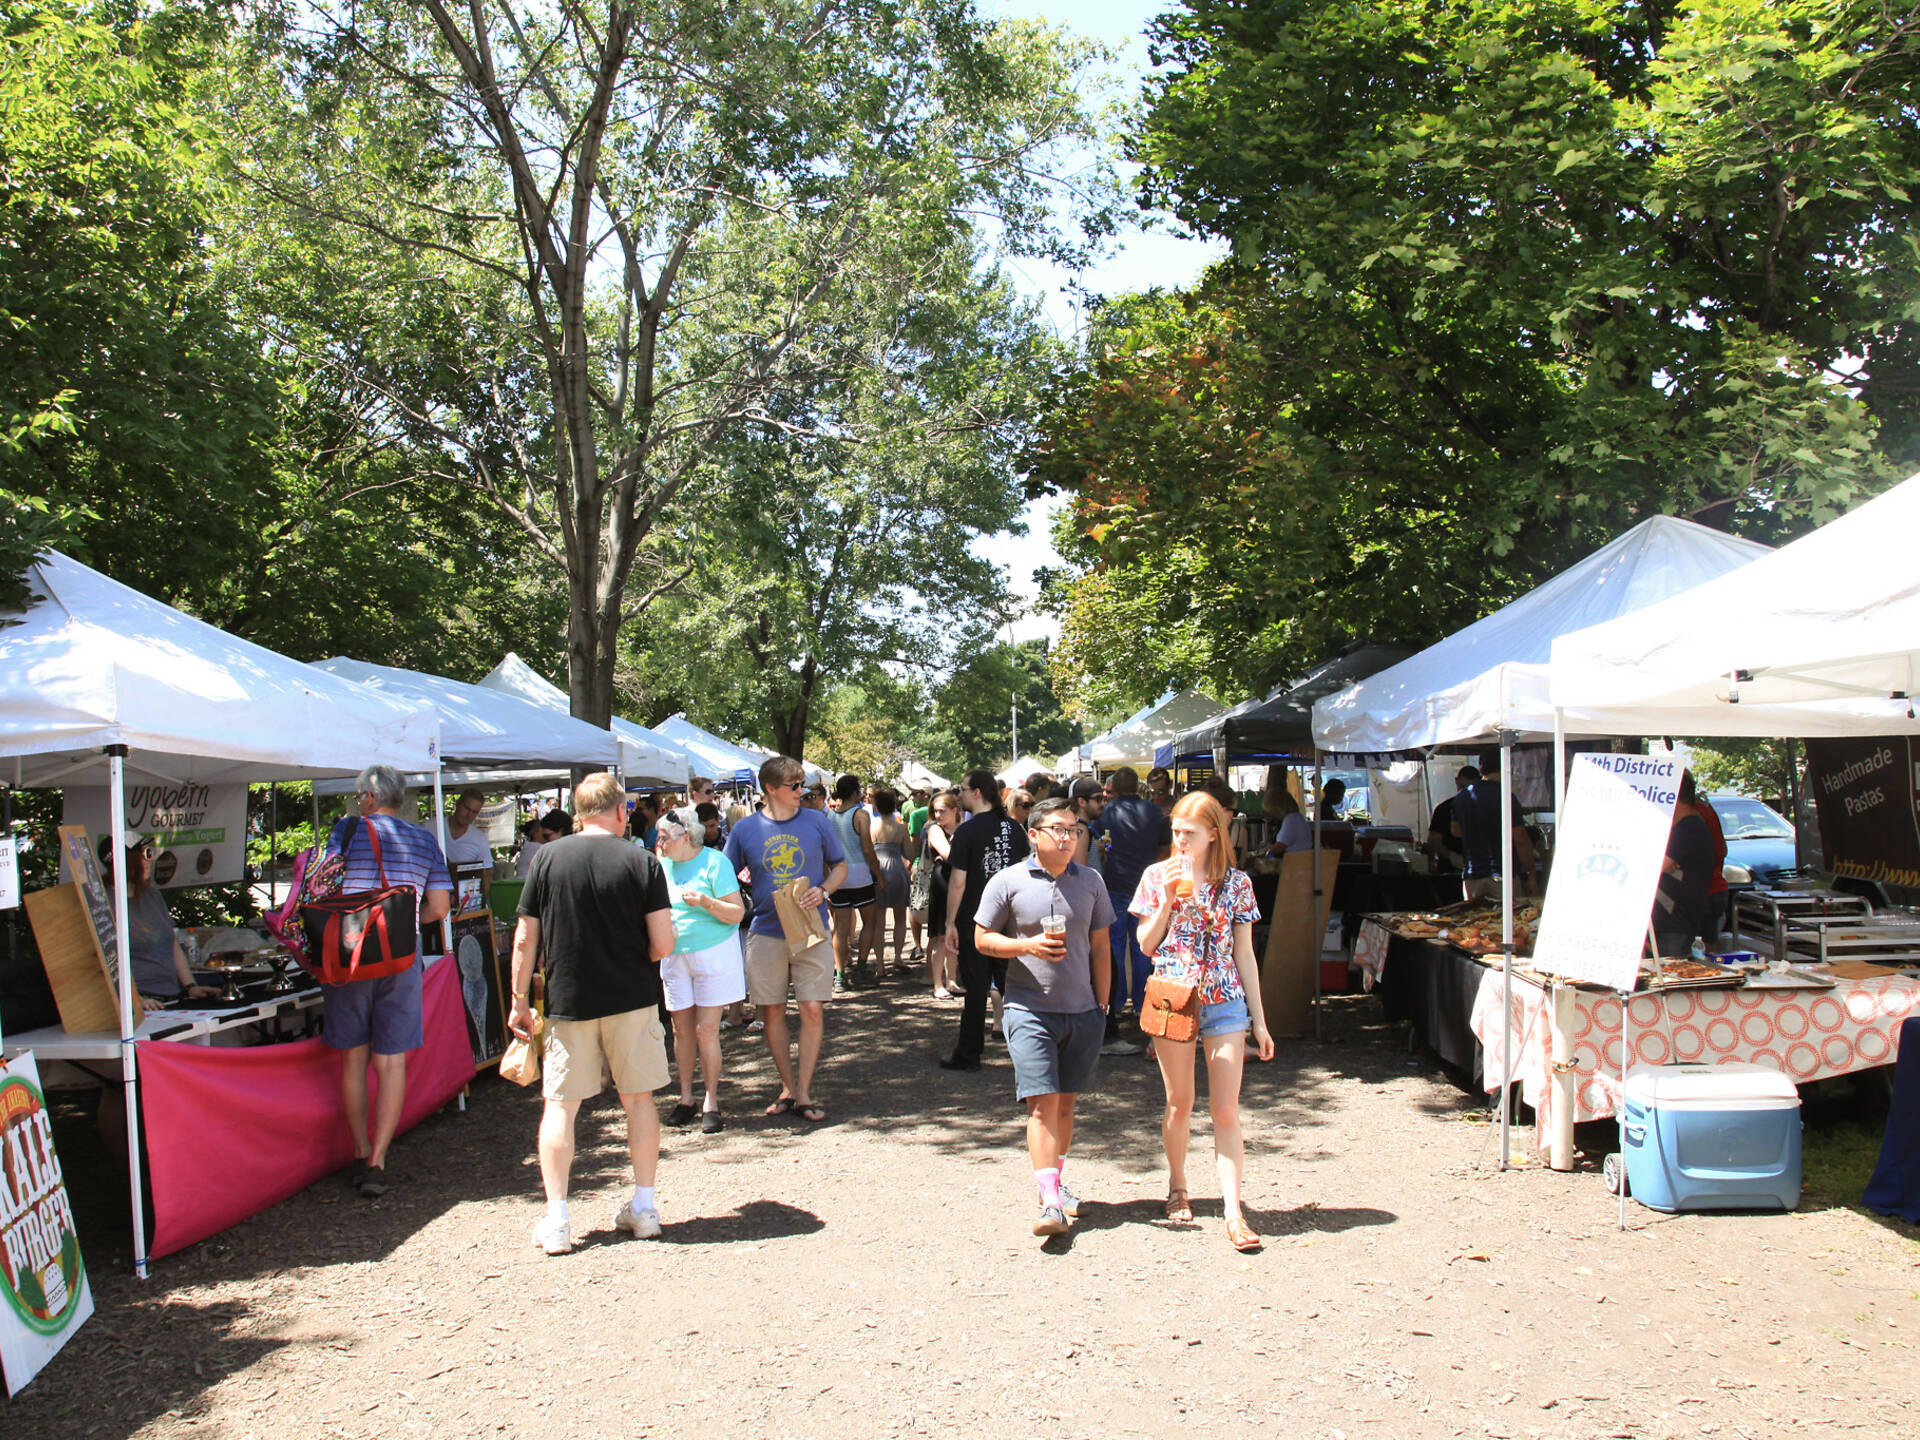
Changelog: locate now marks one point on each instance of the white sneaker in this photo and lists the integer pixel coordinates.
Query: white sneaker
(641, 1224)
(552, 1235)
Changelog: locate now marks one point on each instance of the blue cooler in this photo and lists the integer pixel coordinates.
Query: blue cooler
(1711, 1137)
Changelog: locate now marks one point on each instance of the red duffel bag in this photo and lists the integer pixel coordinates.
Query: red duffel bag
(361, 936)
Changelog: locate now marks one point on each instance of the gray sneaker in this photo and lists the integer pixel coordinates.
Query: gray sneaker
(1069, 1203)
(1052, 1221)
(641, 1224)
(1120, 1045)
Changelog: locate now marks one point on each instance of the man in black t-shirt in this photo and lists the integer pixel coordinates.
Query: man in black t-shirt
(982, 847)
(1442, 845)
(599, 905)
(1476, 824)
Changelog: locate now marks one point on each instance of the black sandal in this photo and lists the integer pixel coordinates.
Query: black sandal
(682, 1114)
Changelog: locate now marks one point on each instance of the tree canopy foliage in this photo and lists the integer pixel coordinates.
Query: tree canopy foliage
(1507, 277)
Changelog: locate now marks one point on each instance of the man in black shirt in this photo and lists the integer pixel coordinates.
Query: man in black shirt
(1476, 824)
(982, 847)
(599, 905)
(1442, 847)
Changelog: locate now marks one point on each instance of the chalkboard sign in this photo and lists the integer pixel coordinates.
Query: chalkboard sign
(482, 994)
(84, 867)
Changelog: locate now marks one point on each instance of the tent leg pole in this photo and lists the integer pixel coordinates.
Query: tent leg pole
(1562, 1013)
(1313, 922)
(440, 828)
(273, 846)
(123, 965)
(1508, 880)
(1620, 1112)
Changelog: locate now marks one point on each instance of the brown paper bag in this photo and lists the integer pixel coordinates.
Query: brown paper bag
(521, 1062)
(801, 924)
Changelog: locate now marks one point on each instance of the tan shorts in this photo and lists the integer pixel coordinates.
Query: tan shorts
(633, 1044)
(769, 971)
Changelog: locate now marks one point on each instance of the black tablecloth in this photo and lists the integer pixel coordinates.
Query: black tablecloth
(1358, 891)
(1433, 986)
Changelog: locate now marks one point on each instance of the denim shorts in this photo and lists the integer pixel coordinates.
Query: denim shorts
(1229, 1017)
(1052, 1054)
(383, 1013)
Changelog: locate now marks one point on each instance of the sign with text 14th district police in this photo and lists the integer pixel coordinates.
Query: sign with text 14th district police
(44, 1295)
(1606, 868)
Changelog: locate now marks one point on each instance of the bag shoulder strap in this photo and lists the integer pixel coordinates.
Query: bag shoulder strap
(373, 839)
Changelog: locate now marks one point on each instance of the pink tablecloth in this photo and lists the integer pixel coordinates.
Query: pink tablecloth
(233, 1130)
(1806, 1034)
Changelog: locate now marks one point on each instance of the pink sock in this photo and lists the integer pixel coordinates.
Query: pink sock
(1049, 1183)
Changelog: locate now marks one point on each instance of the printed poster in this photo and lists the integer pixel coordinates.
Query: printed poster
(42, 1278)
(1867, 795)
(199, 832)
(1606, 868)
(9, 874)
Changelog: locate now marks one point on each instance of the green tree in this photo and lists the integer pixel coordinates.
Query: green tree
(668, 215)
(973, 710)
(1507, 278)
(131, 406)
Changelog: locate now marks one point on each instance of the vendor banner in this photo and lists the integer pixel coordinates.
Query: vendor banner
(42, 1277)
(1867, 794)
(1606, 868)
(9, 874)
(232, 1130)
(199, 832)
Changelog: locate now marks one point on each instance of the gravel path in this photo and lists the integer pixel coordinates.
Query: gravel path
(875, 1277)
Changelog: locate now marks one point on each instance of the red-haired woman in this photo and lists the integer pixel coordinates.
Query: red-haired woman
(1204, 937)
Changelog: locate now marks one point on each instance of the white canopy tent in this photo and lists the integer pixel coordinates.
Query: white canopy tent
(98, 680)
(915, 776)
(815, 775)
(647, 755)
(485, 731)
(1134, 741)
(718, 759)
(1022, 767)
(1820, 637)
(1490, 679)
(1488, 682)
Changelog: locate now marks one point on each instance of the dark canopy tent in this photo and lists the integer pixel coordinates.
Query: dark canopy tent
(1277, 729)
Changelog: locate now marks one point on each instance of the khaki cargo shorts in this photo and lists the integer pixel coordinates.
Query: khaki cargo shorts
(633, 1045)
(769, 971)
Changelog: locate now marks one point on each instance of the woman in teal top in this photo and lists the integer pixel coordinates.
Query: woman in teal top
(705, 973)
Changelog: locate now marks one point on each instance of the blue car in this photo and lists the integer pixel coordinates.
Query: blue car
(1759, 839)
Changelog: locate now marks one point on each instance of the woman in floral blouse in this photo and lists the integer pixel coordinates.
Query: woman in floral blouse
(1205, 940)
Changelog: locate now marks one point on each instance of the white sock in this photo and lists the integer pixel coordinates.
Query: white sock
(642, 1198)
(557, 1210)
(1049, 1183)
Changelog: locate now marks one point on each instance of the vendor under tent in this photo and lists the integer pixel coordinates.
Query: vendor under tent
(1488, 682)
(648, 756)
(1134, 742)
(98, 681)
(1818, 638)
(1276, 729)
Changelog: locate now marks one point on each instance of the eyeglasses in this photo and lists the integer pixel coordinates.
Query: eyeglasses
(1065, 834)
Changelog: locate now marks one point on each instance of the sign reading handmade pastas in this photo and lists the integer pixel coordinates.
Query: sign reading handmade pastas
(198, 832)
(42, 1277)
(1606, 868)
(1868, 794)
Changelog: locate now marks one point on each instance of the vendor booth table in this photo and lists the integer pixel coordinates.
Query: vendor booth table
(1804, 1034)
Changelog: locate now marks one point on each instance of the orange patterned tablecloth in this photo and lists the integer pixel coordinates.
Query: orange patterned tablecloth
(1805, 1034)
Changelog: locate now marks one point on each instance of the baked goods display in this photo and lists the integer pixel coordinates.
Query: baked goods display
(1473, 928)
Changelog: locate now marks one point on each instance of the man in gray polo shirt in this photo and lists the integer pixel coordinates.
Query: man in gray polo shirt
(1058, 976)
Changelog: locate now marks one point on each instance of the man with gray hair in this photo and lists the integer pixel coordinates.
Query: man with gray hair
(379, 1020)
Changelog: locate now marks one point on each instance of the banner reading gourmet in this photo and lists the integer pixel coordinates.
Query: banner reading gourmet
(1868, 796)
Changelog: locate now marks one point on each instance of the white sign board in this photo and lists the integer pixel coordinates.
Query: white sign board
(199, 832)
(44, 1295)
(1606, 868)
(9, 874)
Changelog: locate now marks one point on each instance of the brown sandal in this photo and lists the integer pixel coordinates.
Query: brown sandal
(1241, 1235)
(1178, 1210)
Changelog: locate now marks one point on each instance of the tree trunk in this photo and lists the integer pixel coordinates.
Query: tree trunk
(790, 722)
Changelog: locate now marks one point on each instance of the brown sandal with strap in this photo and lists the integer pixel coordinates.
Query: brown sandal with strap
(1241, 1235)
(1178, 1210)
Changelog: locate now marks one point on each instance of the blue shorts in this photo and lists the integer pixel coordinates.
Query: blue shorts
(1052, 1054)
(384, 1013)
(1229, 1017)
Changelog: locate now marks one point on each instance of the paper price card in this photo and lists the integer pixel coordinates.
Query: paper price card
(1606, 868)
(44, 1295)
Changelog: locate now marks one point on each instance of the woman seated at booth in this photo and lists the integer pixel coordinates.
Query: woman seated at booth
(160, 971)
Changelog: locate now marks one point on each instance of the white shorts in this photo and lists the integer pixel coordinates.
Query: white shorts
(713, 976)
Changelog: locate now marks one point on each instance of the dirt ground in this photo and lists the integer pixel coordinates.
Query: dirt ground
(875, 1276)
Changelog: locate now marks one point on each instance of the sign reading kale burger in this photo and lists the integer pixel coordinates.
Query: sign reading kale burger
(42, 1277)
